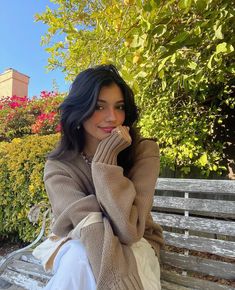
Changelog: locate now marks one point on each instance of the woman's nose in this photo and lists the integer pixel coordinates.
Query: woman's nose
(111, 115)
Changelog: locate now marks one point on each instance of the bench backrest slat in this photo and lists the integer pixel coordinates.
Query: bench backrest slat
(209, 267)
(192, 283)
(196, 185)
(213, 246)
(224, 208)
(205, 225)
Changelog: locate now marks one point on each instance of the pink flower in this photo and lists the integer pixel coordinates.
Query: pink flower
(58, 128)
(14, 105)
(36, 127)
(16, 101)
(46, 94)
(47, 117)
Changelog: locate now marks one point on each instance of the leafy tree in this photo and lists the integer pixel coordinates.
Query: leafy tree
(178, 56)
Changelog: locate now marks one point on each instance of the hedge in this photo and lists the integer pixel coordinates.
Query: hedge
(21, 183)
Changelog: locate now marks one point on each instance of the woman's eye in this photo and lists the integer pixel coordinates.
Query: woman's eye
(121, 107)
(99, 107)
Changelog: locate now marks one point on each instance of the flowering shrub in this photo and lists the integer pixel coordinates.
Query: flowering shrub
(22, 157)
(21, 116)
(46, 123)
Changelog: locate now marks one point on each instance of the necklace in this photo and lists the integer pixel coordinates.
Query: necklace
(88, 159)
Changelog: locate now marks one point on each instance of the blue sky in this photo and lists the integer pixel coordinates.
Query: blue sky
(20, 47)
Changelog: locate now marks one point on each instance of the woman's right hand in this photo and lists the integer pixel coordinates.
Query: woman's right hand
(109, 148)
(123, 131)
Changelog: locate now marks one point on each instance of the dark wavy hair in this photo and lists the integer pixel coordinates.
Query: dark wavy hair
(80, 104)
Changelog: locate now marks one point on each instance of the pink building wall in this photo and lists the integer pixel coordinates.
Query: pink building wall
(13, 83)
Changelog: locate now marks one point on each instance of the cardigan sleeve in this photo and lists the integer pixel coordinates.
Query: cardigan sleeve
(127, 201)
(69, 203)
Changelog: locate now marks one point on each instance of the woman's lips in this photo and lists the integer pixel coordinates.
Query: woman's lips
(107, 129)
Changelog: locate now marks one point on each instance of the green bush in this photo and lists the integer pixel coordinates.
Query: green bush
(21, 183)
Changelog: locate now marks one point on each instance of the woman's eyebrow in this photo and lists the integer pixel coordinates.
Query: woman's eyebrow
(103, 101)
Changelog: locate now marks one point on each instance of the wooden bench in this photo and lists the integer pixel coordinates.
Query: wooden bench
(198, 218)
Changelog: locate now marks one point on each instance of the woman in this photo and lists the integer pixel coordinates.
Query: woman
(100, 181)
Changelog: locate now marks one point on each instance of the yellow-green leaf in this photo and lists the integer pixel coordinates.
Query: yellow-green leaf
(203, 159)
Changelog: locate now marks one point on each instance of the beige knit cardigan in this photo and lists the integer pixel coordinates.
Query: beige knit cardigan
(76, 190)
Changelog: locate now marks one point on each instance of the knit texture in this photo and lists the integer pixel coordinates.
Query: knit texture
(75, 190)
(108, 150)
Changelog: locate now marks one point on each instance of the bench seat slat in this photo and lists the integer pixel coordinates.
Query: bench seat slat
(193, 204)
(30, 259)
(193, 283)
(21, 280)
(171, 286)
(29, 269)
(196, 224)
(214, 268)
(217, 247)
(196, 185)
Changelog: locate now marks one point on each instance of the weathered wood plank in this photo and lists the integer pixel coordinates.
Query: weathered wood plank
(30, 259)
(210, 267)
(195, 223)
(29, 269)
(22, 280)
(196, 185)
(193, 283)
(224, 208)
(171, 286)
(217, 247)
(12, 256)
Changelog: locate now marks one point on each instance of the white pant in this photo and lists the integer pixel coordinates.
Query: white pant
(73, 271)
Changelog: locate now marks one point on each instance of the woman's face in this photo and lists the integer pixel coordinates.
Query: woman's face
(109, 113)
